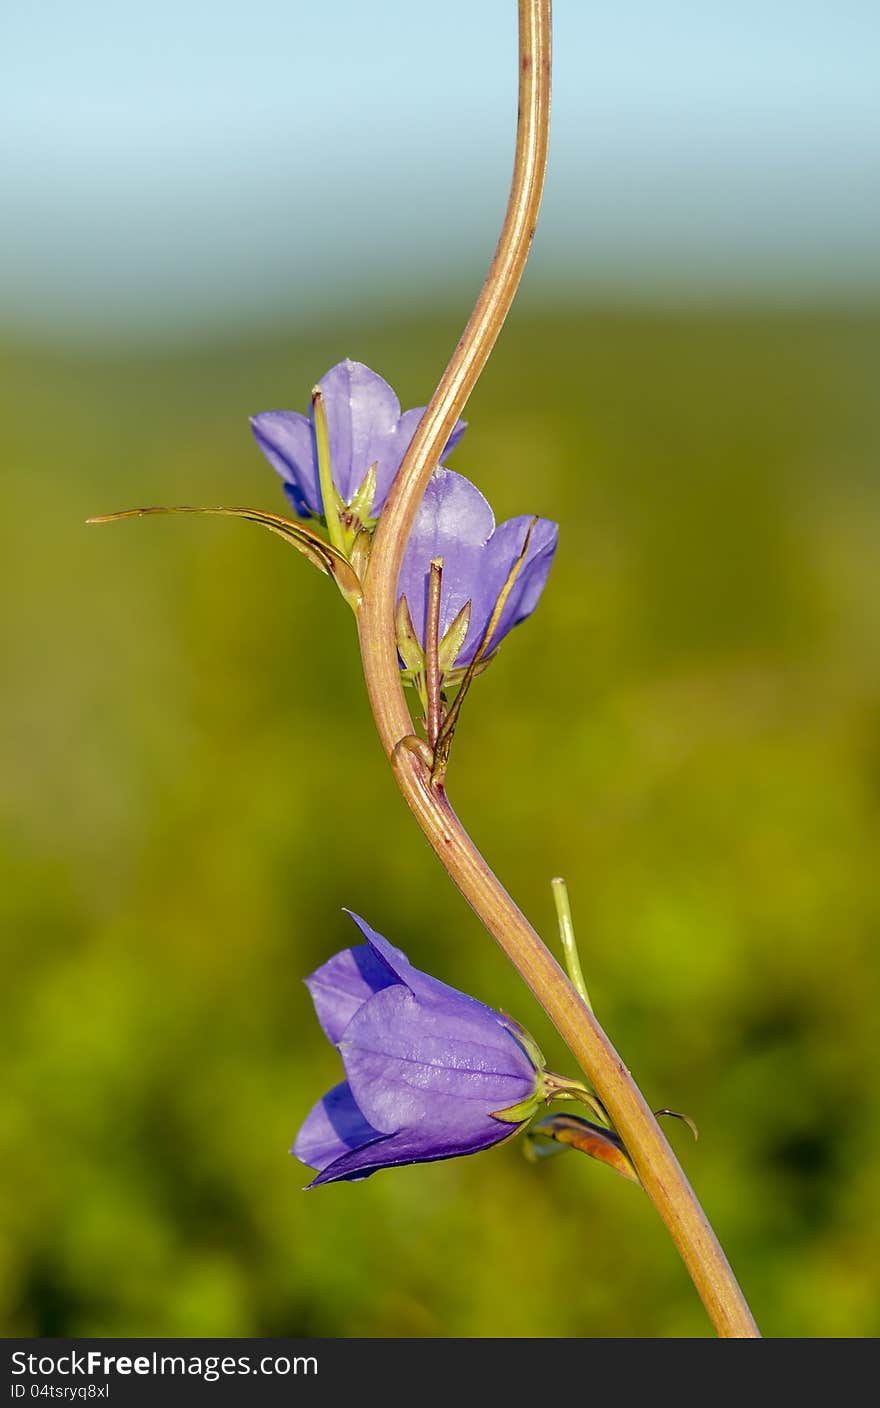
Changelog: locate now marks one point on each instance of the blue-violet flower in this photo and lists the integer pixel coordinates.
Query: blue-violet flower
(454, 522)
(430, 1072)
(365, 428)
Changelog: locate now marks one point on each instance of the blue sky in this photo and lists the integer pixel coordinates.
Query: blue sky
(207, 163)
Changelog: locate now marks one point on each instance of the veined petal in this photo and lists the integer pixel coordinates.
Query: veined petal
(285, 438)
(342, 984)
(408, 1146)
(408, 424)
(418, 982)
(362, 412)
(396, 446)
(412, 1060)
(365, 428)
(499, 556)
(431, 1073)
(454, 522)
(332, 1129)
(394, 957)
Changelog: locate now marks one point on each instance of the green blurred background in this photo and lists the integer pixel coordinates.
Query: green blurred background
(688, 729)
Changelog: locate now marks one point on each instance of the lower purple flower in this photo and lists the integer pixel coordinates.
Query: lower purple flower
(430, 1073)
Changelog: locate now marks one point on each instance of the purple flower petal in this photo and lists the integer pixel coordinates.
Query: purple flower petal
(434, 1065)
(362, 414)
(286, 439)
(418, 982)
(409, 424)
(499, 556)
(342, 984)
(332, 1129)
(402, 436)
(407, 1146)
(454, 522)
(427, 1067)
(364, 428)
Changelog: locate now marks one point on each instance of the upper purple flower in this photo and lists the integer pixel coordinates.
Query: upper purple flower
(455, 523)
(365, 427)
(430, 1072)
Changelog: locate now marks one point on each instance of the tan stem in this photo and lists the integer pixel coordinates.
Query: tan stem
(432, 651)
(657, 1166)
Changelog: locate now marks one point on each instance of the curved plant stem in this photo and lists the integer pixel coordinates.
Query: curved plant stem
(658, 1169)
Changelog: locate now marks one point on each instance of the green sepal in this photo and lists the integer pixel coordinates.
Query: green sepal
(321, 554)
(360, 554)
(331, 502)
(525, 1109)
(453, 679)
(361, 506)
(564, 1088)
(408, 646)
(453, 640)
(527, 1042)
(519, 1114)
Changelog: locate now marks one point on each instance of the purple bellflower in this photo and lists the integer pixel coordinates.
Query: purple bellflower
(456, 524)
(366, 432)
(430, 1072)
(339, 463)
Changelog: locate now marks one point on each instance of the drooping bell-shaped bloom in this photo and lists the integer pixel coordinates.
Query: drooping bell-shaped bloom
(365, 427)
(454, 522)
(430, 1073)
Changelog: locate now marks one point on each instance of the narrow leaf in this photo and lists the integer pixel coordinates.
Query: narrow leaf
(320, 553)
(685, 1119)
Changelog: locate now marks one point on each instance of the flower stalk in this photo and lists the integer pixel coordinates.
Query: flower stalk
(654, 1161)
(434, 716)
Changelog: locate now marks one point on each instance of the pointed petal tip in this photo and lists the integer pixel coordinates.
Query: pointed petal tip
(366, 929)
(311, 1183)
(306, 1186)
(394, 958)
